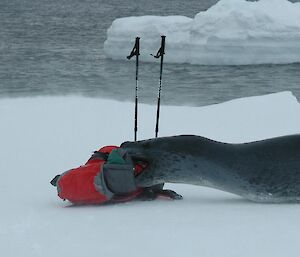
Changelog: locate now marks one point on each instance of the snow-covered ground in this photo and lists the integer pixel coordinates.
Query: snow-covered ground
(41, 137)
(230, 32)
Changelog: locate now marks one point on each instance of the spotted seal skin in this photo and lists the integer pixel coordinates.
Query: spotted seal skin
(262, 171)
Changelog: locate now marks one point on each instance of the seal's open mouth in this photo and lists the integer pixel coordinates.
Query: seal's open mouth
(139, 166)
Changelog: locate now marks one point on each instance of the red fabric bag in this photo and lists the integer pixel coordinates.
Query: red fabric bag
(79, 185)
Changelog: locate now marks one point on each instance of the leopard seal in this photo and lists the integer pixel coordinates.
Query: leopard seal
(265, 171)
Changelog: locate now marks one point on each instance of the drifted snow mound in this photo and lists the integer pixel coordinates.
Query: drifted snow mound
(229, 33)
(44, 136)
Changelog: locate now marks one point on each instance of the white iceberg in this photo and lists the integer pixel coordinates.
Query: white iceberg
(232, 32)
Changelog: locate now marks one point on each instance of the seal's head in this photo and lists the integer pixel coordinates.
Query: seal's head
(148, 153)
(165, 158)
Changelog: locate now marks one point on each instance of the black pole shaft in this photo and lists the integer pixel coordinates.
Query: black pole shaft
(162, 52)
(136, 52)
(137, 44)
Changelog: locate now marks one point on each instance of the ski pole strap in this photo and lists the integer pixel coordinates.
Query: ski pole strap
(135, 50)
(161, 50)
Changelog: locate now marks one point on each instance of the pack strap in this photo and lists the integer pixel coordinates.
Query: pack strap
(99, 156)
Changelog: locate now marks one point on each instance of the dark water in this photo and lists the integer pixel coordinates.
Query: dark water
(55, 48)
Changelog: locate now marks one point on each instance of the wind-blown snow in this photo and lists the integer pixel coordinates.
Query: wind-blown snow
(230, 32)
(41, 137)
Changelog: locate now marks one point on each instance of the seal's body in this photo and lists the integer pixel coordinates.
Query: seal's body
(262, 171)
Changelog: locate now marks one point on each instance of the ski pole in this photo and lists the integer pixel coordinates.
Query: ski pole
(160, 54)
(136, 52)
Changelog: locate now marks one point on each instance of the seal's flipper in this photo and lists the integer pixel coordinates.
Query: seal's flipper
(151, 193)
(170, 194)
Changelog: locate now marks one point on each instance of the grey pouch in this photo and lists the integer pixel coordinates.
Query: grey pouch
(119, 178)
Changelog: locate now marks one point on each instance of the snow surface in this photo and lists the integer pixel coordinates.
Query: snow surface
(230, 32)
(41, 137)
